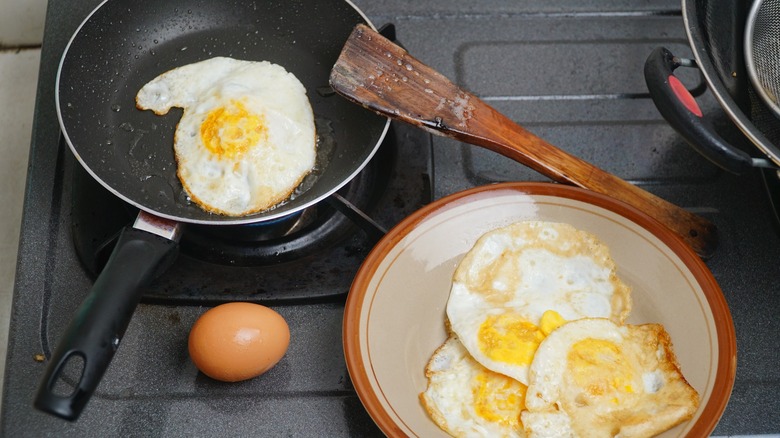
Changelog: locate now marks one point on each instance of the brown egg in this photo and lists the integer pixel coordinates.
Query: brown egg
(238, 341)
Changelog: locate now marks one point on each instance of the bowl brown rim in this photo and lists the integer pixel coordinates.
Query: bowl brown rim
(727, 344)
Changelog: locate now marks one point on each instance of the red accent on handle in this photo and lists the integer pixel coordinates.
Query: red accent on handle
(684, 95)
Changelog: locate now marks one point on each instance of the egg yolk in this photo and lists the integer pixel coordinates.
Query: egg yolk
(228, 132)
(510, 339)
(498, 399)
(550, 321)
(600, 367)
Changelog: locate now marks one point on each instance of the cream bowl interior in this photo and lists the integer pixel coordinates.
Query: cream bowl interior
(395, 312)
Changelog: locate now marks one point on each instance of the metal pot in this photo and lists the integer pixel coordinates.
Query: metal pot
(716, 34)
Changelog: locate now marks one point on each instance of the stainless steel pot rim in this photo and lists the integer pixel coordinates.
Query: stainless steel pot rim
(759, 61)
(728, 105)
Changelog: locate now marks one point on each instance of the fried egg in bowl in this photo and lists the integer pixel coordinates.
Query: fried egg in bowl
(395, 312)
(520, 281)
(594, 378)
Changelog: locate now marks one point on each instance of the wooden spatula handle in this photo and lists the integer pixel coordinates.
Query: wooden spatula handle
(383, 77)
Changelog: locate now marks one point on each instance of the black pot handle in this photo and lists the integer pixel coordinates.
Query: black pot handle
(94, 333)
(679, 108)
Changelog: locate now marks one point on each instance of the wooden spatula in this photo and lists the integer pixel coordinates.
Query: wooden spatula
(378, 74)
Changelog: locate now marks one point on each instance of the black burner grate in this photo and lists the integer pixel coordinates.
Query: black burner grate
(310, 255)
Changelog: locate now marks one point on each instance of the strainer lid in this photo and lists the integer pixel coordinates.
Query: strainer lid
(762, 51)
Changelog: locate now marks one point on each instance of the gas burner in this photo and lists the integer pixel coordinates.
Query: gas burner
(312, 254)
(301, 234)
(287, 238)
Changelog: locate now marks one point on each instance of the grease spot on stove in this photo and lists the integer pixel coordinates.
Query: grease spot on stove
(174, 318)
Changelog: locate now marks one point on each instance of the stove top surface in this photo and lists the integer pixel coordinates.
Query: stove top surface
(569, 71)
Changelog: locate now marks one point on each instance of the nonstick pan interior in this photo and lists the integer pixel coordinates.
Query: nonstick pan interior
(126, 43)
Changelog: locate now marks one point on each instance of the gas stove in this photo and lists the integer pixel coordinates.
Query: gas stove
(569, 71)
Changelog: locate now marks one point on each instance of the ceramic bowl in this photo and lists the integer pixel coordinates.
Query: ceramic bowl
(395, 311)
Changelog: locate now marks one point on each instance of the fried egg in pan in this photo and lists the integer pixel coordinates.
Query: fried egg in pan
(246, 138)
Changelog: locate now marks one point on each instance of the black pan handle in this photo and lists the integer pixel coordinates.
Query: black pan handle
(93, 336)
(679, 108)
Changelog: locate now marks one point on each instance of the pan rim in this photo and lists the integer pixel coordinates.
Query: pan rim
(223, 220)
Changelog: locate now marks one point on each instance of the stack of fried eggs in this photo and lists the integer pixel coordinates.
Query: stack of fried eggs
(538, 344)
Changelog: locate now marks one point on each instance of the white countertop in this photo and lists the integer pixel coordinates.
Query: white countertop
(21, 31)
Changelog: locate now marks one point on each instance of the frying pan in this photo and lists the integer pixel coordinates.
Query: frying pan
(119, 47)
(715, 30)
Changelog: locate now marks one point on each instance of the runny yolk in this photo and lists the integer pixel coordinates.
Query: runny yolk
(229, 131)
